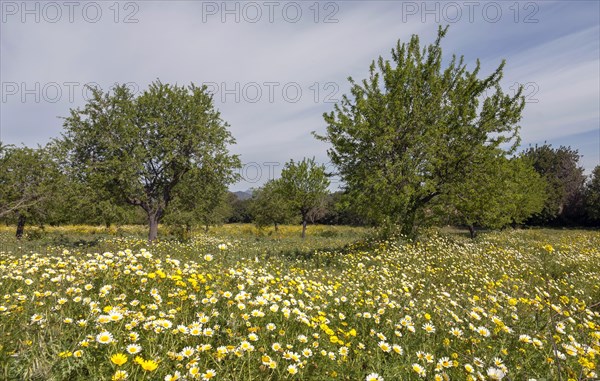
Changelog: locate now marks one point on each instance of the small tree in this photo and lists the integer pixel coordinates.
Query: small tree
(269, 206)
(29, 180)
(140, 149)
(304, 185)
(499, 192)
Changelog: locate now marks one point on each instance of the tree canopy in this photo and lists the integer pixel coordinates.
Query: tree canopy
(412, 131)
(498, 192)
(140, 149)
(29, 182)
(304, 184)
(565, 178)
(269, 206)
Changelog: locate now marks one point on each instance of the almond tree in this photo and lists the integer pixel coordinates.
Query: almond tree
(412, 130)
(304, 185)
(140, 148)
(29, 181)
(269, 205)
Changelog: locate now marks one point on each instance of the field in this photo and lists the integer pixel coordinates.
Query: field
(85, 303)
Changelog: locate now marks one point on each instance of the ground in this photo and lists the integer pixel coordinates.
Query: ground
(238, 304)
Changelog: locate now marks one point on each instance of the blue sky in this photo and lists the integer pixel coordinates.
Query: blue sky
(275, 67)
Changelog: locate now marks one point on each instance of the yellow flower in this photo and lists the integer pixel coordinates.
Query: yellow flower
(148, 365)
(118, 359)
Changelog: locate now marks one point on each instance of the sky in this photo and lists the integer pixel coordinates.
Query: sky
(275, 67)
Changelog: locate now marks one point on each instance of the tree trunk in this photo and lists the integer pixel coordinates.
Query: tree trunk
(472, 231)
(408, 227)
(20, 226)
(276, 226)
(303, 228)
(153, 219)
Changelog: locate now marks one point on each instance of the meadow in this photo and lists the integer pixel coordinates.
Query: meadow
(95, 303)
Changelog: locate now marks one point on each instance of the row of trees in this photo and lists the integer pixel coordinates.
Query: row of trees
(164, 152)
(35, 190)
(414, 144)
(540, 186)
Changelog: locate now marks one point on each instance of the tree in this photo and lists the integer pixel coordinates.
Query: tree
(140, 149)
(560, 168)
(304, 185)
(411, 132)
(497, 193)
(592, 196)
(269, 206)
(201, 198)
(29, 180)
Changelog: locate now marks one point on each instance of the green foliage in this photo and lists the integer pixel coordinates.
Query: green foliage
(592, 196)
(240, 209)
(201, 198)
(339, 211)
(24, 179)
(30, 182)
(269, 206)
(560, 168)
(411, 132)
(497, 192)
(304, 186)
(139, 150)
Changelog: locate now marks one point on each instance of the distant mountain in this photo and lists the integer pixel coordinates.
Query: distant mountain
(243, 195)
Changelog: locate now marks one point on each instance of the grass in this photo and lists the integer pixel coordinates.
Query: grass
(265, 305)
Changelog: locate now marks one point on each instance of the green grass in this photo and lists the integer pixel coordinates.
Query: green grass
(526, 303)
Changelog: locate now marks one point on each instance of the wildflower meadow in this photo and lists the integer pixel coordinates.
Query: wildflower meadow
(510, 305)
